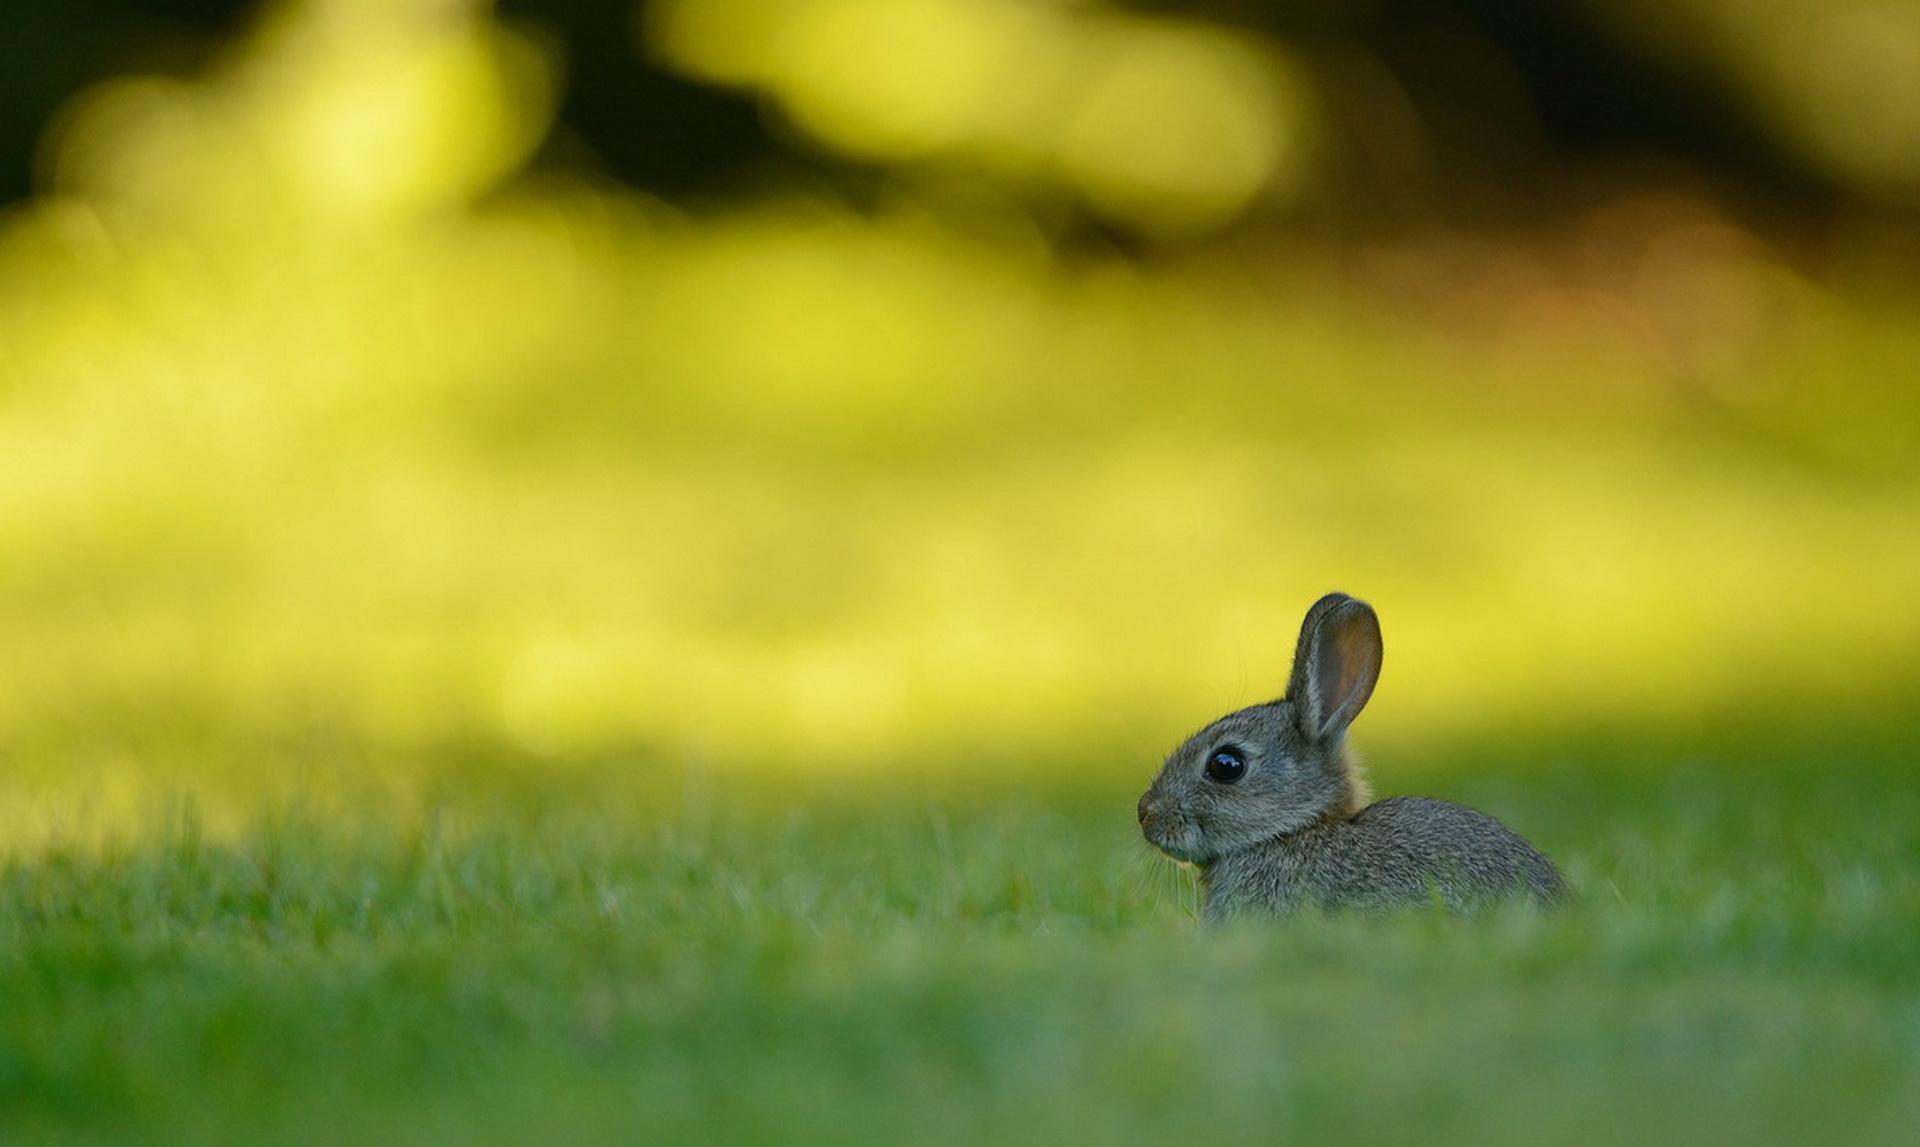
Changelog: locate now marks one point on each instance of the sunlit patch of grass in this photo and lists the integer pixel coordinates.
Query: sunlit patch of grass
(609, 955)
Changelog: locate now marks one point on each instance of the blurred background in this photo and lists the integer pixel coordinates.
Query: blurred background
(943, 384)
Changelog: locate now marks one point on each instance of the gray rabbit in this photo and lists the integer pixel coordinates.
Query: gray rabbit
(1267, 802)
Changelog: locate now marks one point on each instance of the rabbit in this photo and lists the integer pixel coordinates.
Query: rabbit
(1269, 804)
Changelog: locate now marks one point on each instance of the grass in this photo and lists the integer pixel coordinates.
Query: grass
(623, 951)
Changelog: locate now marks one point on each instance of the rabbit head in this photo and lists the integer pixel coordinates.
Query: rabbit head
(1273, 768)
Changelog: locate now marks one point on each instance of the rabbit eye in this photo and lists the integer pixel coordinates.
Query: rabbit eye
(1226, 766)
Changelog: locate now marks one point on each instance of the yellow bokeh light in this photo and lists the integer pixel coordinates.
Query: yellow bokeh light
(1163, 126)
(1859, 107)
(1179, 129)
(295, 450)
(891, 78)
(1835, 77)
(722, 41)
(341, 108)
(403, 118)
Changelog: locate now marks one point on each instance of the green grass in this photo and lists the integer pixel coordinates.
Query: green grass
(620, 951)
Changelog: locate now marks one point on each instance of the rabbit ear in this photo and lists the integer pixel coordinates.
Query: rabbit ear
(1335, 665)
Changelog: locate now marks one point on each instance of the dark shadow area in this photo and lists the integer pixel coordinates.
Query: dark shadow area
(1520, 103)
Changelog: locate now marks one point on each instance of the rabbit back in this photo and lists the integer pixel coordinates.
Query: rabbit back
(1400, 852)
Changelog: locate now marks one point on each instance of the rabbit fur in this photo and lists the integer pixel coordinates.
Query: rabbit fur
(1268, 803)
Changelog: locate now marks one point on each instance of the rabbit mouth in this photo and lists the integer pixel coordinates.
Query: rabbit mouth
(1180, 840)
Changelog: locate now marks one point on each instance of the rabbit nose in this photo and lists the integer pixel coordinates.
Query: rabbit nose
(1142, 810)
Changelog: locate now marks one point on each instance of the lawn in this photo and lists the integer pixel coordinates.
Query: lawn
(637, 951)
